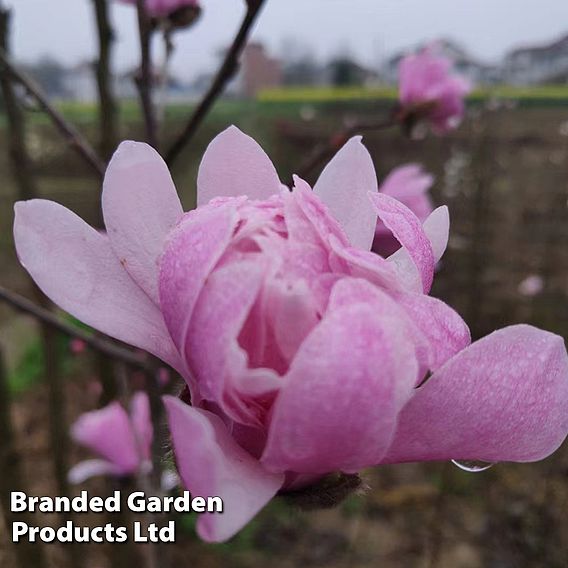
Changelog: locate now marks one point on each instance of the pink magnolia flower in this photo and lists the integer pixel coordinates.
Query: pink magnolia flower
(122, 442)
(305, 353)
(429, 90)
(165, 8)
(410, 184)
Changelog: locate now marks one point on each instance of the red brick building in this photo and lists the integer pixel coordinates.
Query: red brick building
(259, 70)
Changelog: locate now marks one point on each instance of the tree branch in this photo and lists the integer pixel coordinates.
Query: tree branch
(69, 132)
(226, 72)
(96, 342)
(12, 478)
(19, 159)
(107, 103)
(328, 148)
(144, 81)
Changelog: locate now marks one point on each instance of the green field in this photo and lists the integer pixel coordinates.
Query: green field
(285, 102)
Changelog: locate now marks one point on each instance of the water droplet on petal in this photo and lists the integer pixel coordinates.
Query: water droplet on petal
(472, 466)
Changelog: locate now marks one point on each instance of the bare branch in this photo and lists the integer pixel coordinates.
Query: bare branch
(74, 138)
(326, 149)
(12, 477)
(96, 342)
(226, 72)
(144, 80)
(19, 159)
(107, 104)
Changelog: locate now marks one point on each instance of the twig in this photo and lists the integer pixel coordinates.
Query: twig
(226, 72)
(144, 80)
(56, 404)
(164, 76)
(157, 413)
(12, 478)
(96, 342)
(336, 141)
(21, 165)
(107, 103)
(158, 554)
(19, 159)
(74, 138)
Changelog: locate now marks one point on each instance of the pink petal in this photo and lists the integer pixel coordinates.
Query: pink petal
(407, 183)
(408, 230)
(293, 313)
(343, 186)
(140, 206)
(108, 432)
(437, 229)
(317, 213)
(338, 406)
(364, 264)
(84, 470)
(213, 351)
(233, 165)
(75, 266)
(504, 398)
(210, 463)
(193, 250)
(349, 291)
(446, 332)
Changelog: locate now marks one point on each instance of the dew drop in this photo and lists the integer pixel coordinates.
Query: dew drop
(472, 466)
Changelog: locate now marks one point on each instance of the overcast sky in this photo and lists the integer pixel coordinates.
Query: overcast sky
(369, 29)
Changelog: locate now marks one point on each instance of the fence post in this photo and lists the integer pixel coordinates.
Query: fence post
(28, 555)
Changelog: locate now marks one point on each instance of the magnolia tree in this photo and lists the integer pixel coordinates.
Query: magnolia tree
(299, 317)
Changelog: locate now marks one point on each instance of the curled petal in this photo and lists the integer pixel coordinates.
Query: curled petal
(210, 463)
(343, 186)
(437, 229)
(363, 264)
(504, 398)
(338, 406)
(317, 213)
(409, 232)
(444, 329)
(213, 351)
(193, 250)
(76, 267)
(233, 165)
(140, 207)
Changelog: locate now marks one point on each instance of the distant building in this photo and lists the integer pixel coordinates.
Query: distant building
(478, 73)
(81, 84)
(51, 76)
(547, 63)
(343, 71)
(258, 71)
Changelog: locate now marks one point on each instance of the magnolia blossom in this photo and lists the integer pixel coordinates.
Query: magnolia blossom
(304, 352)
(410, 184)
(165, 8)
(429, 90)
(123, 442)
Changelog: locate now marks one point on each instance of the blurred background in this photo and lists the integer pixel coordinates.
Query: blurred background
(310, 68)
